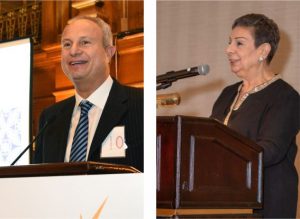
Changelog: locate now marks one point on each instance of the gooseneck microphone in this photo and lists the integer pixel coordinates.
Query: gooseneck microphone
(166, 79)
(49, 121)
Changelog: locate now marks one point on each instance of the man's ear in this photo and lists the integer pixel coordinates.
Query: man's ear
(110, 51)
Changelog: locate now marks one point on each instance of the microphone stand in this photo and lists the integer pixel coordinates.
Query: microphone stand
(21, 154)
(50, 120)
(31, 143)
(163, 85)
(167, 82)
(164, 81)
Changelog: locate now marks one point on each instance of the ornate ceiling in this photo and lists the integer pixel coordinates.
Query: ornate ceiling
(20, 19)
(6, 6)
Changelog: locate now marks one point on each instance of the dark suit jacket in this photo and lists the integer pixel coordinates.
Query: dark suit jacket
(269, 117)
(124, 107)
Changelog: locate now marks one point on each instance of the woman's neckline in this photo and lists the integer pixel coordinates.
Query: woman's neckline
(256, 89)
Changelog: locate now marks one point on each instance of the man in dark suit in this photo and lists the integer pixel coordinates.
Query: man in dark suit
(115, 119)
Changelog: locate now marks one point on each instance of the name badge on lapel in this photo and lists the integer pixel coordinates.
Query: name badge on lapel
(114, 145)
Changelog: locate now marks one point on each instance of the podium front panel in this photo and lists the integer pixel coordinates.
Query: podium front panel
(204, 164)
(166, 152)
(81, 196)
(216, 168)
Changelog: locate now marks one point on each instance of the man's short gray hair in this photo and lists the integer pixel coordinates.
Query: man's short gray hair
(107, 34)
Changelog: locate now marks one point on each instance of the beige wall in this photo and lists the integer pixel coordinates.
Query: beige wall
(196, 32)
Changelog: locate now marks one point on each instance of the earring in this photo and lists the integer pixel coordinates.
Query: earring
(260, 59)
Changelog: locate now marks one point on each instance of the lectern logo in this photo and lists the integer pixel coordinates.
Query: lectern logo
(99, 210)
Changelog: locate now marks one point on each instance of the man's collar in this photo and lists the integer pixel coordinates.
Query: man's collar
(99, 96)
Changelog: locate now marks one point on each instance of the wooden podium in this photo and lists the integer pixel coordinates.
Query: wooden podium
(205, 169)
(71, 190)
(63, 169)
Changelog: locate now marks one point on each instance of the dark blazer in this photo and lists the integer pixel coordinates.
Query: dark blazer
(124, 107)
(269, 117)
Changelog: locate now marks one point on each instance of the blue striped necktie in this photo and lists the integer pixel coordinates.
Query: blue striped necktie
(80, 140)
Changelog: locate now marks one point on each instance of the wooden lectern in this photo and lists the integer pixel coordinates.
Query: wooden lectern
(205, 169)
(71, 190)
(64, 169)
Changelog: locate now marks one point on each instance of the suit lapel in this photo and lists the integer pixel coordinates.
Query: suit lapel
(61, 131)
(112, 114)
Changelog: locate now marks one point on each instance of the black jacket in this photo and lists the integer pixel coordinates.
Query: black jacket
(124, 107)
(269, 117)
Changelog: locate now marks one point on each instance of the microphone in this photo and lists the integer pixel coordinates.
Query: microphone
(49, 121)
(172, 76)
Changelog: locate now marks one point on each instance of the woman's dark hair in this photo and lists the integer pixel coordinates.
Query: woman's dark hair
(265, 30)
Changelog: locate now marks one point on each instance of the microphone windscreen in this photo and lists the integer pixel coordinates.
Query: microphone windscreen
(203, 69)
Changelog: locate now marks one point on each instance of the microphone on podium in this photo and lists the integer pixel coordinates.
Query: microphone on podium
(41, 131)
(166, 79)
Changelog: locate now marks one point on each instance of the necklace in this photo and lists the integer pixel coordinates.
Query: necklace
(236, 104)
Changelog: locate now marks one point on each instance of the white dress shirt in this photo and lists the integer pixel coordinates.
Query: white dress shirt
(98, 98)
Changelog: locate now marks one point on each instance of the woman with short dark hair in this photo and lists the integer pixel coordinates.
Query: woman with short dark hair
(263, 108)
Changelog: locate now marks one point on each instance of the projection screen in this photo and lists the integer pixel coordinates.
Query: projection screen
(15, 100)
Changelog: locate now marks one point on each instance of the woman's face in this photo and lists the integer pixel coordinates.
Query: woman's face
(241, 52)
